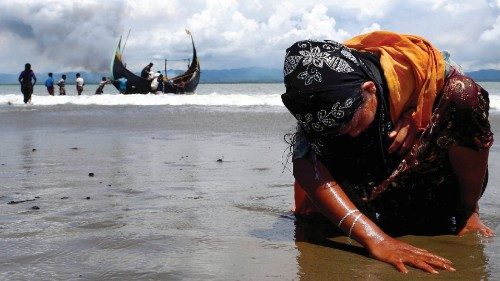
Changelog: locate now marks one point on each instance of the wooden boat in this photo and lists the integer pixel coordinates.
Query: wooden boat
(184, 83)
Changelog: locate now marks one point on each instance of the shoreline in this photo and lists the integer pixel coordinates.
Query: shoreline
(162, 206)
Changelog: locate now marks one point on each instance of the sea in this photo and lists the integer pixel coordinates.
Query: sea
(182, 187)
(209, 96)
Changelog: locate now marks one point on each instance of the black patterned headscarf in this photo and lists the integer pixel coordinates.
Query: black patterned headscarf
(323, 82)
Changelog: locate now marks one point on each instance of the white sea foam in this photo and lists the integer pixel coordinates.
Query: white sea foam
(212, 99)
(225, 98)
(494, 103)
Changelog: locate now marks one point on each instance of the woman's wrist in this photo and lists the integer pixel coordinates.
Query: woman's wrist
(367, 233)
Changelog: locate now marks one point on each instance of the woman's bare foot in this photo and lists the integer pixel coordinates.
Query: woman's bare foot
(474, 224)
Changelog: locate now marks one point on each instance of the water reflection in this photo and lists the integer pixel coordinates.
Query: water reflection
(325, 254)
(27, 161)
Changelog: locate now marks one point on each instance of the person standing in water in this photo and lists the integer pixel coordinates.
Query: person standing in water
(103, 83)
(62, 85)
(49, 83)
(25, 78)
(79, 84)
(160, 87)
(122, 85)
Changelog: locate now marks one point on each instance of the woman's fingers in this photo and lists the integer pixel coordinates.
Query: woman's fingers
(429, 255)
(401, 254)
(423, 266)
(394, 132)
(440, 265)
(408, 142)
(486, 232)
(399, 139)
(401, 267)
(424, 260)
(403, 136)
(431, 261)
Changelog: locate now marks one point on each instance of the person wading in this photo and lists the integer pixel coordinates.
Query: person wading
(27, 79)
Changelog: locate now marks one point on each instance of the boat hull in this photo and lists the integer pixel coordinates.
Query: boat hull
(185, 83)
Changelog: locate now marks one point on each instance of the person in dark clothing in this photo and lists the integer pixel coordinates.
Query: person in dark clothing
(391, 140)
(180, 87)
(25, 78)
(145, 71)
(160, 88)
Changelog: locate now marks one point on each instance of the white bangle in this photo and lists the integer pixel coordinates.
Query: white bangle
(353, 223)
(345, 216)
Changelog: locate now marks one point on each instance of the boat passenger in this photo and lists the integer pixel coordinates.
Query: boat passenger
(391, 140)
(152, 75)
(157, 85)
(154, 85)
(145, 71)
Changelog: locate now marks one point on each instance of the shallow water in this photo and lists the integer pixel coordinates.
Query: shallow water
(160, 205)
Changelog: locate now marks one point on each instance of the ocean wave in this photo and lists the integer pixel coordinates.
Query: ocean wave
(212, 99)
(494, 103)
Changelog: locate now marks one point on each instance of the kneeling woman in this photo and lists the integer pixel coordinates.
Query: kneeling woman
(391, 140)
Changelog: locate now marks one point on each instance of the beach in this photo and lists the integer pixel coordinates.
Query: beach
(176, 190)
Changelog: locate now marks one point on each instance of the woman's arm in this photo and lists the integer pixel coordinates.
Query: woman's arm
(333, 203)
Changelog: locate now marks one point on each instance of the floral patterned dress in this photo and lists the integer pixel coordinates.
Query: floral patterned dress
(418, 193)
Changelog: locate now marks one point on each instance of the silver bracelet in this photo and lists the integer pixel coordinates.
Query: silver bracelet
(345, 216)
(352, 225)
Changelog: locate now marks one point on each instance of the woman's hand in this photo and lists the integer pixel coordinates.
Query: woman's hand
(474, 224)
(399, 254)
(403, 136)
(334, 204)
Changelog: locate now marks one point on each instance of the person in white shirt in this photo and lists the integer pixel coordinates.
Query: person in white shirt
(62, 85)
(79, 84)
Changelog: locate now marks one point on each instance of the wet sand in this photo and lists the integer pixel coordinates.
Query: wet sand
(180, 194)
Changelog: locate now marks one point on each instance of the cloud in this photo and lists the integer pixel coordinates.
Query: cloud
(74, 35)
(493, 34)
(81, 35)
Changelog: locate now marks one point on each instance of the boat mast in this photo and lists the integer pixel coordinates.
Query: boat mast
(188, 60)
(126, 39)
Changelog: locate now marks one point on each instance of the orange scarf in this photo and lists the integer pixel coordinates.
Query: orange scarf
(413, 68)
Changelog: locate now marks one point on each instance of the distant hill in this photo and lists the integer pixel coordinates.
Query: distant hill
(89, 77)
(239, 75)
(485, 75)
(9, 78)
(242, 75)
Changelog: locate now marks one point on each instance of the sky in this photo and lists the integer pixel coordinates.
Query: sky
(82, 35)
